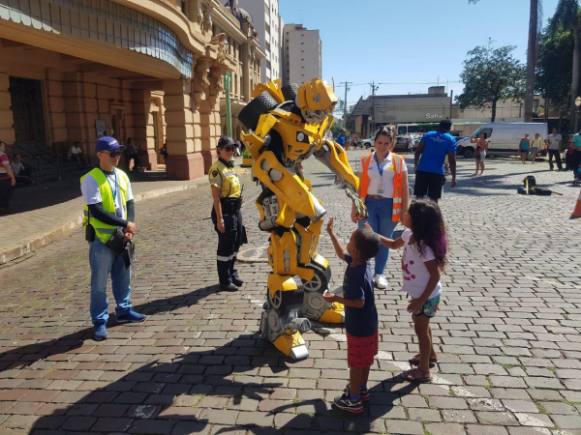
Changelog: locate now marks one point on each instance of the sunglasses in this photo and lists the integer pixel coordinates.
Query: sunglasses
(114, 154)
(229, 149)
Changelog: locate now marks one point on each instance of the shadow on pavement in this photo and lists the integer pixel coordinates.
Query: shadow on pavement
(39, 196)
(26, 355)
(193, 390)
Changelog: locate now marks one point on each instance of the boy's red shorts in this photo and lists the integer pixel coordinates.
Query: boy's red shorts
(361, 351)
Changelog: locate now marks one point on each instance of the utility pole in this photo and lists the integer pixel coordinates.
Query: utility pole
(374, 88)
(531, 59)
(451, 102)
(347, 87)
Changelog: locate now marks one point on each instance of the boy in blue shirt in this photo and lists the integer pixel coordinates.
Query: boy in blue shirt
(360, 314)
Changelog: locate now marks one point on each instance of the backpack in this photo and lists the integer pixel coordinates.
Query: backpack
(530, 187)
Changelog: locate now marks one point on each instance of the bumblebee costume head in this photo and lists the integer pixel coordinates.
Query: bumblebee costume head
(316, 100)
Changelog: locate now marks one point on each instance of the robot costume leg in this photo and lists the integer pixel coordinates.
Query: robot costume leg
(290, 243)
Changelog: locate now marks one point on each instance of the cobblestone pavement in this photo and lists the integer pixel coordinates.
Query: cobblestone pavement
(507, 334)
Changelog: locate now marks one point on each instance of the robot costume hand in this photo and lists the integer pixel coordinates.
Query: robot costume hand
(358, 204)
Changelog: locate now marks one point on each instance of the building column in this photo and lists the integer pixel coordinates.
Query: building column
(184, 160)
(6, 119)
(142, 127)
(80, 109)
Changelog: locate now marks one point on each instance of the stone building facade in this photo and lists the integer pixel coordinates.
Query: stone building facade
(151, 70)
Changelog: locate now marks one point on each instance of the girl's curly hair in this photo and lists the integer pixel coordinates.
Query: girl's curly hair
(429, 229)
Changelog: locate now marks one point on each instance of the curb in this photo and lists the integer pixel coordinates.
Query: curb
(26, 247)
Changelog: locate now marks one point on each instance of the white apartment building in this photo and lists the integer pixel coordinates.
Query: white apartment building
(302, 57)
(266, 20)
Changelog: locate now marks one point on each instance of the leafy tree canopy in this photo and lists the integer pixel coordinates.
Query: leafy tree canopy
(491, 74)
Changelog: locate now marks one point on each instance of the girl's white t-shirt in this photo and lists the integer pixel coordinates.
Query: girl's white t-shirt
(382, 185)
(415, 274)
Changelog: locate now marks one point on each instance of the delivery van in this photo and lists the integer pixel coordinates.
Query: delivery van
(503, 137)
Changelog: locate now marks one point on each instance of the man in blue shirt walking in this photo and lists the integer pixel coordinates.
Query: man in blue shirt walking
(429, 161)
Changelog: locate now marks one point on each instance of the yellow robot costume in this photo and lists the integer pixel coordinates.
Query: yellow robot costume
(285, 125)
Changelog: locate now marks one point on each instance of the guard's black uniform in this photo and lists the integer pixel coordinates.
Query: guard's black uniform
(222, 176)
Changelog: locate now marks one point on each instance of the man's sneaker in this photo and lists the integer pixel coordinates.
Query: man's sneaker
(346, 404)
(363, 393)
(380, 282)
(130, 316)
(100, 332)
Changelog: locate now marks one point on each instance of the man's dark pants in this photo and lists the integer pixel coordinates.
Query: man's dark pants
(557, 155)
(428, 184)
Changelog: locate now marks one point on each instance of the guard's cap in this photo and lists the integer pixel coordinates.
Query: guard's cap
(226, 141)
(108, 143)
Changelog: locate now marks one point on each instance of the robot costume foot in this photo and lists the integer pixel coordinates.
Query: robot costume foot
(284, 333)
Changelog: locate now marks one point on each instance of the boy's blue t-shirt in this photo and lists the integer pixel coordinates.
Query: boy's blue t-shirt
(357, 284)
(436, 146)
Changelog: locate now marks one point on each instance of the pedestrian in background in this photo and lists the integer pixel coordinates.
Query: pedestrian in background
(110, 230)
(480, 153)
(553, 146)
(226, 214)
(7, 180)
(429, 161)
(576, 159)
(361, 319)
(423, 259)
(384, 188)
(523, 148)
(131, 155)
(536, 144)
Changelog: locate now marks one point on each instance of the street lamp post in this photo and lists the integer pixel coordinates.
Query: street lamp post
(577, 105)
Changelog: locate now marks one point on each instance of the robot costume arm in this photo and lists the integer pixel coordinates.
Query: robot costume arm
(334, 157)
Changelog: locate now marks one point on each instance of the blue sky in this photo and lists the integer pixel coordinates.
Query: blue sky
(410, 44)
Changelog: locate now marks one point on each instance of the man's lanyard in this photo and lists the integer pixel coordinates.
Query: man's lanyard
(116, 187)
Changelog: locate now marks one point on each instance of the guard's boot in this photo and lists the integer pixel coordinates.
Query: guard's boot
(226, 283)
(234, 277)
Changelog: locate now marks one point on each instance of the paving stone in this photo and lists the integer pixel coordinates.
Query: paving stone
(445, 429)
(486, 430)
(404, 427)
(567, 421)
(458, 416)
(538, 420)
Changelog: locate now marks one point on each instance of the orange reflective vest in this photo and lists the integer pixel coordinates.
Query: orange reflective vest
(398, 163)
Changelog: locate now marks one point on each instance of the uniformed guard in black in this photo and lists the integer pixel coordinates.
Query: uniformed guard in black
(226, 215)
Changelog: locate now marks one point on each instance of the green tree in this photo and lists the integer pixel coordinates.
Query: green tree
(489, 75)
(559, 58)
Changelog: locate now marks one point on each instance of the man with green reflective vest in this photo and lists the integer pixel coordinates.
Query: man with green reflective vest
(109, 217)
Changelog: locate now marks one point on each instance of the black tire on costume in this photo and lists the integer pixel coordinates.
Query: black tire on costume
(260, 105)
(290, 91)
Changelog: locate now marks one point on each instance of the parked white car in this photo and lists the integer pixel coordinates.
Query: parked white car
(503, 137)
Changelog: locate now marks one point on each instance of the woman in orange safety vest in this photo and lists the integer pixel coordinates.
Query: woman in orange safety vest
(383, 185)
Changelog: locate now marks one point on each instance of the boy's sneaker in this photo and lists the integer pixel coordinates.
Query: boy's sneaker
(346, 404)
(100, 332)
(363, 393)
(130, 316)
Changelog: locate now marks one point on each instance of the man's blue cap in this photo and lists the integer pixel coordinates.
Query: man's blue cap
(108, 143)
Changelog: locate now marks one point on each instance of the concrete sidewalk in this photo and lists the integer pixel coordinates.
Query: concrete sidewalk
(23, 233)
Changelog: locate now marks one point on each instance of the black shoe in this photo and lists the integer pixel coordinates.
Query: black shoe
(228, 287)
(237, 281)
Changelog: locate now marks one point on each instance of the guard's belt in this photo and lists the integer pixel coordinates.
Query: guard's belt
(231, 205)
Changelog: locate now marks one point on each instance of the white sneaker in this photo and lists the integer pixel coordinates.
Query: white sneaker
(380, 282)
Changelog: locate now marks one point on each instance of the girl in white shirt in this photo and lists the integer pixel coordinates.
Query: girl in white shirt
(425, 245)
